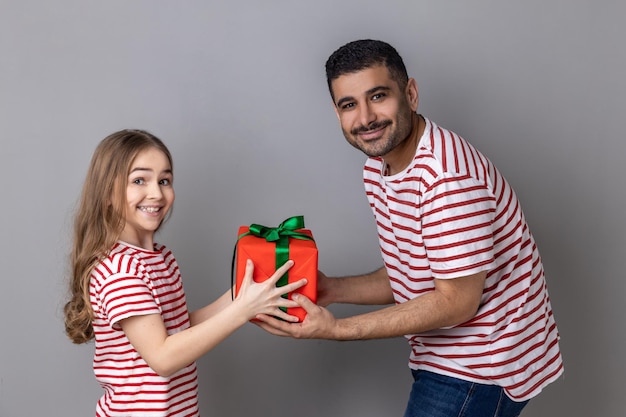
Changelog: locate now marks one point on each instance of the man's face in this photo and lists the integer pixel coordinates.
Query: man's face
(375, 115)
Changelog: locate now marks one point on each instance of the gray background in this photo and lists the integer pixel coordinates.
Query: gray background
(237, 90)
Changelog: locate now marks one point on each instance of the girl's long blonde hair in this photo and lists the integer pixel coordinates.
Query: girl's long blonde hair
(100, 219)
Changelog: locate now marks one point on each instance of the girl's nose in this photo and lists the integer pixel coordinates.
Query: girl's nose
(154, 191)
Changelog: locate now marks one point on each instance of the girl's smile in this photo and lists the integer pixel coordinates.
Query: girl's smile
(150, 209)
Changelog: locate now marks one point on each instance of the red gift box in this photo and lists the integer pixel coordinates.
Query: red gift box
(267, 248)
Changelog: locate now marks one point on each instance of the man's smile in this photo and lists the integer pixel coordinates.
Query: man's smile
(372, 132)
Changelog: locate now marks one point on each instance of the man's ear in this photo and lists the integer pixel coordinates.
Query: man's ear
(412, 94)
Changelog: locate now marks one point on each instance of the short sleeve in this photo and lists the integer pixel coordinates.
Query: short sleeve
(126, 291)
(457, 226)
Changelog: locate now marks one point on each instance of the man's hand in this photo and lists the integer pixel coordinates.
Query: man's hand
(319, 323)
(324, 295)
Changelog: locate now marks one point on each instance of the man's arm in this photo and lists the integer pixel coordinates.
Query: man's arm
(368, 289)
(452, 302)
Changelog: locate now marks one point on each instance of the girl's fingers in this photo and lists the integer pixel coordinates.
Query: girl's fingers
(294, 285)
(287, 303)
(281, 271)
(247, 277)
(287, 317)
(247, 274)
(249, 270)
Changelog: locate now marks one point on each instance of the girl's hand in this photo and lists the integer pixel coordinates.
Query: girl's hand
(264, 297)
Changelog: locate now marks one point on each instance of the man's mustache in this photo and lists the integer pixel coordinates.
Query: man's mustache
(371, 126)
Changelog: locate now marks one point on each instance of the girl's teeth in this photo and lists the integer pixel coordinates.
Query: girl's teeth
(150, 209)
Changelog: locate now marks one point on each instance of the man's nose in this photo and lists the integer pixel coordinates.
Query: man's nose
(366, 115)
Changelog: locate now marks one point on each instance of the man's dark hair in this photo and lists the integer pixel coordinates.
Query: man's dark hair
(366, 53)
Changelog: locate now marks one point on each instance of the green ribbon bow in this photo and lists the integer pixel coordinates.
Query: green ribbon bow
(281, 234)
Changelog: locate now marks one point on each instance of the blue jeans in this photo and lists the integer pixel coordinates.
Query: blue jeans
(434, 395)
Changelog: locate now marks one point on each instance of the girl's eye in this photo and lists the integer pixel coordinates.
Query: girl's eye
(138, 181)
(165, 181)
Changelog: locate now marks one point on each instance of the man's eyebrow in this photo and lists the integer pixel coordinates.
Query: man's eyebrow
(371, 91)
(377, 88)
(343, 100)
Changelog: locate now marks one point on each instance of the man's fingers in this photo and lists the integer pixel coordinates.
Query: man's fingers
(304, 301)
(271, 325)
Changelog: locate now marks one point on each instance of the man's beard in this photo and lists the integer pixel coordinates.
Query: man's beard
(382, 146)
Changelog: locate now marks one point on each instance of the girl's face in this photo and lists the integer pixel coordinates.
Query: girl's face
(149, 197)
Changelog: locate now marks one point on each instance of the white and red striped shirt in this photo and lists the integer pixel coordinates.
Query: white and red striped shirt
(451, 214)
(132, 281)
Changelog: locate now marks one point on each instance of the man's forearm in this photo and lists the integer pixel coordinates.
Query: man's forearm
(368, 289)
(452, 302)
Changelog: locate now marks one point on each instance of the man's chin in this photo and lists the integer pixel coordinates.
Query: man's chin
(370, 151)
(373, 151)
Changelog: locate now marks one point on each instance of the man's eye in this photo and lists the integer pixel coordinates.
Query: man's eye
(347, 106)
(377, 96)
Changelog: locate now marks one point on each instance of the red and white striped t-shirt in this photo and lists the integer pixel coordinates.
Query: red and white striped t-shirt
(132, 281)
(451, 214)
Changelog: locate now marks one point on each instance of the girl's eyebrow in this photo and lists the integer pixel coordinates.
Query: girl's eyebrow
(166, 171)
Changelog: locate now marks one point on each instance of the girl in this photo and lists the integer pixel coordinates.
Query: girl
(126, 289)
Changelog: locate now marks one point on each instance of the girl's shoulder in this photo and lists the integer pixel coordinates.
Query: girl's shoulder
(123, 257)
(128, 259)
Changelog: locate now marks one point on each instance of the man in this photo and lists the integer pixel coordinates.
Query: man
(460, 263)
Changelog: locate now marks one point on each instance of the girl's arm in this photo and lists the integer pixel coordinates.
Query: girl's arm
(167, 354)
(200, 315)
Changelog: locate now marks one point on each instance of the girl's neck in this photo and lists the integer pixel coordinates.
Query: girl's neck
(132, 245)
(145, 242)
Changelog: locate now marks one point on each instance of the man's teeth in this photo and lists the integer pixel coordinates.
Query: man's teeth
(149, 209)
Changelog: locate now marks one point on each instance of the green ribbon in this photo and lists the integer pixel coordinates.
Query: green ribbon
(281, 235)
